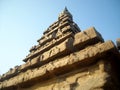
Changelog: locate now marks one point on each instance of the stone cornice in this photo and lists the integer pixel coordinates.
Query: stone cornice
(81, 58)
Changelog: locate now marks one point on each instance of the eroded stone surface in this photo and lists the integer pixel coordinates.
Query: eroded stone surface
(88, 55)
(89, 78)
(67, 59)
(79, 41)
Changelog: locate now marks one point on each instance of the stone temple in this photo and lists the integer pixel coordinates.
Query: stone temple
(67, 58)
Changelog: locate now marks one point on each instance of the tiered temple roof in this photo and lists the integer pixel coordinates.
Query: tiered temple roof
(62, 49)
(56, 33)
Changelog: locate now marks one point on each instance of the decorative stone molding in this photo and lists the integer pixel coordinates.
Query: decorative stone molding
(67, 58)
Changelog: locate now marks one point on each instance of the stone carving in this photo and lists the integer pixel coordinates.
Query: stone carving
(61, 62)
(66, 58)
(33, 49)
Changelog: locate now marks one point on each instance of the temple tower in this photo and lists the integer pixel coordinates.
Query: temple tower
(56, 33)
(67, 58)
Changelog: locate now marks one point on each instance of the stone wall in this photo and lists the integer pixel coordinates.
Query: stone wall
(94, 77)
(67, 59)
(82, 62)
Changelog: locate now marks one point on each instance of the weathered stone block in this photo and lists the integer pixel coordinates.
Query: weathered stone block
(34, 61)
(57, 65)
(80, 37)
(25, 66)
(49, 46)
(87, 37)
(62, 49)
(91, 32)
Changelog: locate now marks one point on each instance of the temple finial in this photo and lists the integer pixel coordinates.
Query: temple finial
(65, 11)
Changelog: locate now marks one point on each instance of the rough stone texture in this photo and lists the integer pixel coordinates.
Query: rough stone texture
(61, 65)
(64, 48)
(89, 78)
(67, 59)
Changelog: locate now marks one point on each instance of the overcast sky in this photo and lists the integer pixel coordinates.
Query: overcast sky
(22, 23)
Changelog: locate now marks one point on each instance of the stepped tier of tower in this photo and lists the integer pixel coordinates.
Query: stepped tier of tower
(62, 49)
(55, 34)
